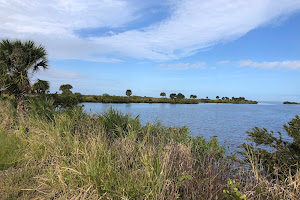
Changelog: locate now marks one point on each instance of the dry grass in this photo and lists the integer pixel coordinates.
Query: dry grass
(70, 155)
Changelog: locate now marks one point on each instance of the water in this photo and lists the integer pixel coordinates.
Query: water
(229, 122)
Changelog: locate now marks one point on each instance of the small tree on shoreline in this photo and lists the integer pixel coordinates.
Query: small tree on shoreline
(66, 88)
(193, 96)
(128, 93)
(163, 94)
(172, 96)
(41, 86)
(180, 96)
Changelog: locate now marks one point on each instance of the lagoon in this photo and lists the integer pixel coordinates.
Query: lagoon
(227, 122)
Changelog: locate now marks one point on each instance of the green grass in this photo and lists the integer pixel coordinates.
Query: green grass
(66, 154)
(10, 150)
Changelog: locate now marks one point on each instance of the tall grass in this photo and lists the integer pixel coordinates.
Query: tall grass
(67, 154)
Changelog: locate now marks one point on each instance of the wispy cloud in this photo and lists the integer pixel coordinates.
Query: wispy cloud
(59, 74)
(223, 62)
(292, 65)
(192, 25)
(184, 66)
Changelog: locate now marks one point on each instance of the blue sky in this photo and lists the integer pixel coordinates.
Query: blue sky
(208, 48)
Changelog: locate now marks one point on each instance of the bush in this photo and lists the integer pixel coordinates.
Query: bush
(118, 124)
(66, 100)
(276, 153)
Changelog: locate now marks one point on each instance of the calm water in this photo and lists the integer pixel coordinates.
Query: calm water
(229, 122)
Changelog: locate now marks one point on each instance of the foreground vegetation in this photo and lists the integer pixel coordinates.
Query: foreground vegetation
(50, 153)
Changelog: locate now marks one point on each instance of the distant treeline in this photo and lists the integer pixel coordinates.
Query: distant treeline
(105, 98)
(288, 102)
(68, 98)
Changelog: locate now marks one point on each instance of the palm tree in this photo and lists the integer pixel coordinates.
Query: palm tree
(18, 59)
(66, 88)
(41, 86)
(172, 96)
(163, 94)
(128, 93)
(217, 97)
(192, 96)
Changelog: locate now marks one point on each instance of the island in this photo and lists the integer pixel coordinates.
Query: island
(288, 102)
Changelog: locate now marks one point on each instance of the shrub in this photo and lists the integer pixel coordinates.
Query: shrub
(276, 153)
(118, 124)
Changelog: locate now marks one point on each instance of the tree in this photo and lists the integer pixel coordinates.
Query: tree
(163, 94)
(172, 96)
(217, 97)
(180, 96)
(195, 97)
(41, 86)
(66, 88)
(17, 60)
(128, 93)
(223, 98)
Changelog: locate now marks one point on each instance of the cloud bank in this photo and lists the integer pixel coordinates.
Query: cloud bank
(192, 25)
(292, 65)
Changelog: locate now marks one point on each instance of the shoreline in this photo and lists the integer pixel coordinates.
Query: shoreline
(138, 99)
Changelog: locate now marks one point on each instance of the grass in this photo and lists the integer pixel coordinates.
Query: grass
(67, 154)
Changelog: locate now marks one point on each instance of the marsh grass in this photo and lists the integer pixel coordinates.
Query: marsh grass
(67, 154)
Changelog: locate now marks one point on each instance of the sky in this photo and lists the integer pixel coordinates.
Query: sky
(206, 48)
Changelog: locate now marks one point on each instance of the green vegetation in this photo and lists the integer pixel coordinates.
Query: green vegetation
(66, 88)
(180, 96)
(284, 154)
(172, 96)
(173, 99)
(40, 87)
(192, 96)
(128, 93)
(288, 102)
(50, 153)
(66, 99)
(17, 59)
(163, 94)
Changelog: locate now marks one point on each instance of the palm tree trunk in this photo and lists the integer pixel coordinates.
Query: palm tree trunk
(20, 98)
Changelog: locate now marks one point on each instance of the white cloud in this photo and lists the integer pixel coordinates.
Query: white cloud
(183, 66)
(193, 25)
(58, 74)
(271, 65)
(223, 62)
